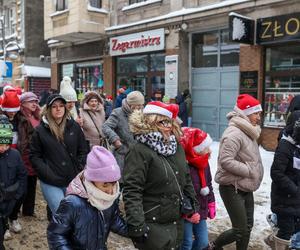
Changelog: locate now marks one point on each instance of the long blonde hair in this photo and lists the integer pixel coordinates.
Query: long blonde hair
(56, 129)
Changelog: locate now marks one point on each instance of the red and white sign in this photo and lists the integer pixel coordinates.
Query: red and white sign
(146, 41)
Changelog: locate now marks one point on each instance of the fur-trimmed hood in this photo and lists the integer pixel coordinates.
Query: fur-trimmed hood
(91, 94)
(138, 125)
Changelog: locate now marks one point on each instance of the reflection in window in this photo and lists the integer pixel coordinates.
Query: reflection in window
(282, 82)
(132, 64)
(61, 5)
(96, 3)
(157, 62)
(229, 51)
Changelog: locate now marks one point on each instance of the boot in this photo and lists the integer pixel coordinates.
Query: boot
(281, 244)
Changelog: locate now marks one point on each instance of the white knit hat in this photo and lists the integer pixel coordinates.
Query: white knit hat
(67, 91)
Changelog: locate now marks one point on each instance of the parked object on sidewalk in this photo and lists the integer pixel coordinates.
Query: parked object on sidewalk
(156, 179)
(240, 170)
(90, 210)
(58, 150)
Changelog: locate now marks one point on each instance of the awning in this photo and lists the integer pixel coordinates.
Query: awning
(34, 71)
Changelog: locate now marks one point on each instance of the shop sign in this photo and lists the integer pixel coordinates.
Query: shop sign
(171, 76)
(67, 70)
(241, 28)
(146, 41)
(278, 29)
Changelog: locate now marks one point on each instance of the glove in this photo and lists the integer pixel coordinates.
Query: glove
(212, 210)
(194, 218)
(140, 239)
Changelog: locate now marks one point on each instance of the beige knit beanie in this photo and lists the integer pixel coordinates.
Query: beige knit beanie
(135, 98)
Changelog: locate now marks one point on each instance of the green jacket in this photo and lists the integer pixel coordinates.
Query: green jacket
(152, 198)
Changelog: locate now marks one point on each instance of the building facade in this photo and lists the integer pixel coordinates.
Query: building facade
(24, 30)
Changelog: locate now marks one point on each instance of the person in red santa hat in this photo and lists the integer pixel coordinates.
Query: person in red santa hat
(158, 189)
(240, 170)
(196, 144)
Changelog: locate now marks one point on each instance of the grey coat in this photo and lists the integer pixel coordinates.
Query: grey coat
(116, 128)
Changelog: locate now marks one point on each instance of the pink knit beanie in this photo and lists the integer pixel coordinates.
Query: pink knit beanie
(101, 166)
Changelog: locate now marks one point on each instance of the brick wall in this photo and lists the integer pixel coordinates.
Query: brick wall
(108, 69)
(54, 75)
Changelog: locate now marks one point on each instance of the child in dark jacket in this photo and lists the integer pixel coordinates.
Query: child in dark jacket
(196, 146)
(13, 176)
(90, 210)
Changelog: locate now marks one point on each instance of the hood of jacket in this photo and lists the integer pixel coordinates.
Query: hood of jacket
(89, 95)
(238, 119)
(76, 187)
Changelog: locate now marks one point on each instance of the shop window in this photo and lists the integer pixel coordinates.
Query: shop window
(213, 49)
(61, 5)
(144, 73)
(96, 3)
(282, 82)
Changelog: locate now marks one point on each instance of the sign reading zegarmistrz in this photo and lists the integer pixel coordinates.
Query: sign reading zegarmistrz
(278, 29)
(147, 41)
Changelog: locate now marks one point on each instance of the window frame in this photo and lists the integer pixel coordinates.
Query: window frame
(136, 1)
(57, 5)
(98, 4)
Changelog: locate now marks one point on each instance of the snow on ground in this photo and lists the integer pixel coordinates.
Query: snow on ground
(261, 198)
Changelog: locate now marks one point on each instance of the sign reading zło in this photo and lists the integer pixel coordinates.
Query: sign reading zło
(278, 28)
(146, 41)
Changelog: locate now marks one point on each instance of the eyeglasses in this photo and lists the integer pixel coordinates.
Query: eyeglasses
(166, 123)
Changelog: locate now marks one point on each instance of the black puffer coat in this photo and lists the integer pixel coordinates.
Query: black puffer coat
(285, 191)
(52, 160)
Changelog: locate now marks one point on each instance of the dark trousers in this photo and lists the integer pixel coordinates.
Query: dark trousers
(287, 225)
(27, 200)
(240, 208)
(3, 227)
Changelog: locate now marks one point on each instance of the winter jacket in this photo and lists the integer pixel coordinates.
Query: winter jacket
(13, 180)
(119, 100)
(90, 131)
(285, 189)
(78, 225)
(152, 197)
(116, 128)
(183, 115)
(202, 200)
(25, 131)
(51, 160)
(239, 161)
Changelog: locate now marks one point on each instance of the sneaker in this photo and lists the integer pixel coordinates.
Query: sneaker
(7, 235)
(15, 226)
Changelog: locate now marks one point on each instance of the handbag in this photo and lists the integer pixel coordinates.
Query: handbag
(103, 141)
(186, 205)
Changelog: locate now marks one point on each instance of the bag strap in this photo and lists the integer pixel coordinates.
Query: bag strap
(178, 186)
(94, 124)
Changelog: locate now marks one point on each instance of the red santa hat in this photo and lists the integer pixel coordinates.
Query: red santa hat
(248, 104)
(194, 141)
(160, 108)
(10, 101)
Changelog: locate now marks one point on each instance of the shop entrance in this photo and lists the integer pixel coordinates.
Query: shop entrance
(214, 93)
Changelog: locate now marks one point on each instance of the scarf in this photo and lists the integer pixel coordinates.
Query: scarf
(200, 162)
(156, 141)
(252, 131)
(98, 198)
(125, 107)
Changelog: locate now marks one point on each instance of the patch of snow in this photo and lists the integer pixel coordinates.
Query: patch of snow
(262, 202)
(90, 22)
(239, 15)
(57, 13)
(34, 71)
(181, 12)
(51, 41)
(140, 4)
(94, 9)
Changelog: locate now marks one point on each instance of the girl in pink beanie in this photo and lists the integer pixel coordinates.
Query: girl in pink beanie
(90, 210)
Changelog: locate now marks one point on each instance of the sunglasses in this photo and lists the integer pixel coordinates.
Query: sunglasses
(166, 123)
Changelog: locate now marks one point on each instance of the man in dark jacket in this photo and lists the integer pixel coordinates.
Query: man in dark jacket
(13, 175)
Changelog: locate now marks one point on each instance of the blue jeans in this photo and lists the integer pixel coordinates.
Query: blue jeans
(200, 233)
(53, 195)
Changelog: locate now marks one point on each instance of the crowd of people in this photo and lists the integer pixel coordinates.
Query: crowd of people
(90, 159)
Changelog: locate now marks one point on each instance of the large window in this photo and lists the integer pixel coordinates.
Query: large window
(61, 5)
(213, 49)
(282, 82)
(96, 3)
(145, 73)
(136, 1)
